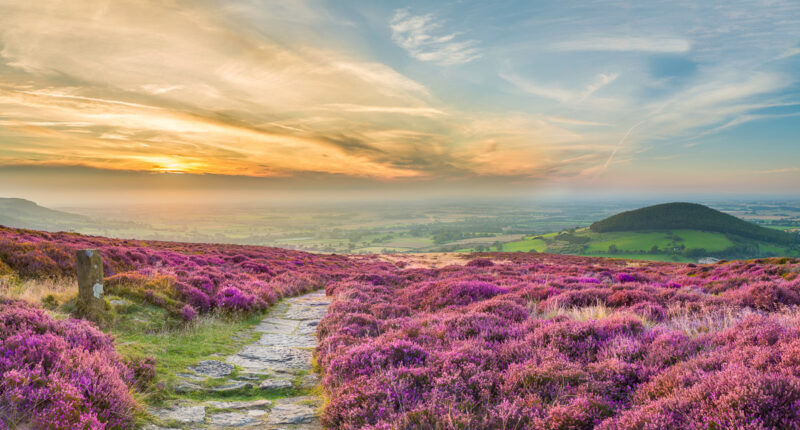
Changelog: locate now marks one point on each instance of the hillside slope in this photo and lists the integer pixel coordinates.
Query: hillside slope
(688, 216)
(21, 213)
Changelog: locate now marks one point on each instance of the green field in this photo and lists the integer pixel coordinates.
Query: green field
(526, 245)
(647, 257)
(672, 244)
(643, 241)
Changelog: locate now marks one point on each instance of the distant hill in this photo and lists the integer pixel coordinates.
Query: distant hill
(669, 232)
(689, 216)
(21, 213)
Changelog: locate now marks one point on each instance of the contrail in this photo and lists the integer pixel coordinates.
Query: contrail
(619, 144)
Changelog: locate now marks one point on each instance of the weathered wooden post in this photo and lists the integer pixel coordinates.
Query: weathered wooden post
(90, 283)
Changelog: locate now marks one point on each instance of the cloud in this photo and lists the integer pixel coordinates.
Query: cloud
(186, 88)
(557, 93)
(625, 44)
(784, 170)
(155, 83)
(427, 112)
(573, 121)
(422, 38)
(267, 88)
(601, 81)
(712, 103)
(790, 52)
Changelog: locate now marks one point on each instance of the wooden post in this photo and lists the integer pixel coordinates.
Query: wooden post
(89, 266)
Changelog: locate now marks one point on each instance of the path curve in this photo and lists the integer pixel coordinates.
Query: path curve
(278, 364)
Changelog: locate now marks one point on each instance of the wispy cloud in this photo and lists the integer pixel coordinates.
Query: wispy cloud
(574, 121)
(784, 170)
(283, 89)
(422, 36)
(557, 93)
(790, 52)
(174, 99)
(427, 112)
(643, 44)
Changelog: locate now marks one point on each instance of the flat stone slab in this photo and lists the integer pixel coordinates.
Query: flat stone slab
(190, 376)
(261, 358)
(187, 387)
(233, 386)
(275, 384)
(231, 419)
(277, 326)
(287, 411)
(300, 313)
(308, 328)
(270, 339)
(247, 377)
(240, 405)
(321, 302)
(309, 381)
(212, 368)
(181, 414)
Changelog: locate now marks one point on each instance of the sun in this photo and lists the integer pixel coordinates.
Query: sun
(169, 165)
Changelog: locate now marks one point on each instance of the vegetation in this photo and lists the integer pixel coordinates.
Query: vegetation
(451, 227)
(521, 340)
(478, 343)
(690, 216)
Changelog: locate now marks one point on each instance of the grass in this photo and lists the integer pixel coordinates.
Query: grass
(526, 245)
(645, 257)
(774, 249)
(631, 245)
(643, 241)
(144, 330)
(598, 311)
(34, 290)
(691, 322)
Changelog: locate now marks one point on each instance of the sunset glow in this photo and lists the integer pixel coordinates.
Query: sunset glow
(424, 95)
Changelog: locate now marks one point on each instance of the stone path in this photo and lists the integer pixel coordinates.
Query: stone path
(278, 366)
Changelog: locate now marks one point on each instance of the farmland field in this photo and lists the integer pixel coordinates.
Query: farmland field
(459, 227)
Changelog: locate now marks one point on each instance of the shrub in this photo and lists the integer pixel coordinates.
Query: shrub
(60, 374)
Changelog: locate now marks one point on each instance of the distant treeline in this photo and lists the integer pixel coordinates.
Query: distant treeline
(689, 216)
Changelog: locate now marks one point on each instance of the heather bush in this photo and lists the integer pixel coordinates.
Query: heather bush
(561, 342)
(173, 275)
(466, 292)
(61, 374)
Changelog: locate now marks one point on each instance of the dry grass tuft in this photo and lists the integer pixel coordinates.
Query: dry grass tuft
(691, 322)
(597, 311)
(34, 290)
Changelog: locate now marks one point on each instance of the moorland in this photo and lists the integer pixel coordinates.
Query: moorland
(486, 340)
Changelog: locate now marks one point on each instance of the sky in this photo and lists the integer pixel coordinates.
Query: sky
(133, 100)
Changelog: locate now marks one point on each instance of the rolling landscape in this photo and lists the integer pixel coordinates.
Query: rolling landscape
(451, 215)
(510, 227)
